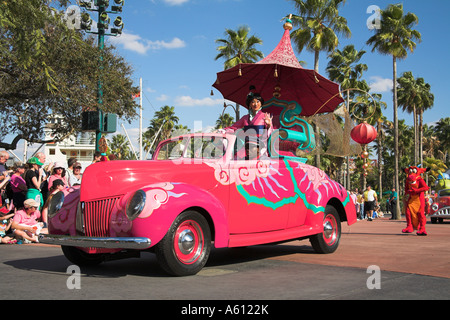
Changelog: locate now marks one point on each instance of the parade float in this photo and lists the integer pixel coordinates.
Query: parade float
(202, 190)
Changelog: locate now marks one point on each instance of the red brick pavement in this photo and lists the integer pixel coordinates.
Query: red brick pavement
(380, 242)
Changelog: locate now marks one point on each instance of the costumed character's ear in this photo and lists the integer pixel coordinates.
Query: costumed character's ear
(406, 170)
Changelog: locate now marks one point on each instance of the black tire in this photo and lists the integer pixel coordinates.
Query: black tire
(185, 248)
(328, 241)
(82, 258)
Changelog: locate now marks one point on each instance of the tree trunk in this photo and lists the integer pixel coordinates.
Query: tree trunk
(380, 165)
(416, 150)
(421, 136)
(348, 158)
(396, 152)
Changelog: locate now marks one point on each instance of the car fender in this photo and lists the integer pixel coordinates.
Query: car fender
(64, 221)
(165, 201)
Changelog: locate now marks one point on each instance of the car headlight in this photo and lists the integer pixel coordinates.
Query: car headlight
(435, 207)
(136, 204)
(55, 204)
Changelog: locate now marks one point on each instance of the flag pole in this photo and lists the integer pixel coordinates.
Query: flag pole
(140, 120)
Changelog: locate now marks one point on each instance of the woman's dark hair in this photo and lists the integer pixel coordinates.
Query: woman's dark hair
(55, 184)
(251, 96)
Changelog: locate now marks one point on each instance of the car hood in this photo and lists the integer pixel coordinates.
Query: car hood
(115, 178)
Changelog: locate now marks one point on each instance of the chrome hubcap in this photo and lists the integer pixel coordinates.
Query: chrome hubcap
(186, 241)
(327, 229)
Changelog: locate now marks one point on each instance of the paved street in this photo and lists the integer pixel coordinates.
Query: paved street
(410, 267)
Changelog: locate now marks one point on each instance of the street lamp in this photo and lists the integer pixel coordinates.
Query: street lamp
(102, 122)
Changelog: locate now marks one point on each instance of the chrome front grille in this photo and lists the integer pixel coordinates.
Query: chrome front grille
(96, 217)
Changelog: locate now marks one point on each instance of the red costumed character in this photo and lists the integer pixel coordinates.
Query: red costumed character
(415, 188)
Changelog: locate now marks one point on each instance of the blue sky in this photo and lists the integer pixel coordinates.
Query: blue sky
(171, 45)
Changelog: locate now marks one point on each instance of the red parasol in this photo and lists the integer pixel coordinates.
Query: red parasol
(280, 75)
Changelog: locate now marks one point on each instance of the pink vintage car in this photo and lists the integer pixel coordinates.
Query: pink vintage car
(201, 190)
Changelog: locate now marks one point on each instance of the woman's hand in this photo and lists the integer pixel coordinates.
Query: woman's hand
(268, 120)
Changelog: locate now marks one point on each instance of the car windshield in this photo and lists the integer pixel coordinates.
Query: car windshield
(444, 193)
(193, 147)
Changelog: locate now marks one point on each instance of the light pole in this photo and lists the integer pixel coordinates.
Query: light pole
(101, 7)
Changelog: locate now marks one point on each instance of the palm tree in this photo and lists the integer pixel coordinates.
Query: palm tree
(238, 48)
(431, 142)
(436, 167)
(395, 37)
(442, 130)
(165, 120)
(344, 69)
(224, 121)
(414, 96)
(319, 26)
(119, 147)
(375, 118)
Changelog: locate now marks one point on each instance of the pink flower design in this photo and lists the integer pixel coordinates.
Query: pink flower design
(157, 196)
(244, 173)
(315, 176)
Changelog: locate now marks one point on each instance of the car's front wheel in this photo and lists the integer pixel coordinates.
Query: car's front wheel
(185, 248)
(328, 240)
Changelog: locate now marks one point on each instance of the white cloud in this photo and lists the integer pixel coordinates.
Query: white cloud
(163, 97)
(187, 101)
(175, 2)
(379, 84)
(176, 43)
(136, 43)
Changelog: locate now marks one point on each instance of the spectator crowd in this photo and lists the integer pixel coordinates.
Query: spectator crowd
(26, 191)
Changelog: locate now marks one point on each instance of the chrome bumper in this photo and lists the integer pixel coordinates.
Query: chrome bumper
(93, 242)
(442, 213)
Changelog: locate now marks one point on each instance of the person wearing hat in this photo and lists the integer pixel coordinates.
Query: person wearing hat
(75, 177)
(33, 179)
(58, 172)
(25, 224)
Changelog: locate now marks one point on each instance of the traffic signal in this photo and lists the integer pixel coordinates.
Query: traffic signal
(102, 3)
(85, 4)
(118, 23)
(104, 21)
(118, 8)
(86, 21)
(109, 123)
(90, 120)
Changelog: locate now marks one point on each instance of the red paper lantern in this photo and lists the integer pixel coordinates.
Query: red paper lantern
(364, 133)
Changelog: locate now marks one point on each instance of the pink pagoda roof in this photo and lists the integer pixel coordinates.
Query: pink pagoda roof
(283, 54)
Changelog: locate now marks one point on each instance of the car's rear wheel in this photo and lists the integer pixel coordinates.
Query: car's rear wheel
(185, 248)
(328, 240)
